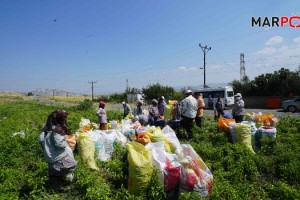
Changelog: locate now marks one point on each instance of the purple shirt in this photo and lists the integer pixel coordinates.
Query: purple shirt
(161, 108)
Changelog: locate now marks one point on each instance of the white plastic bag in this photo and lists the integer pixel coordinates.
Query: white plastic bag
(194, 167)
(98, 140)
(172, 138)
(160, 157)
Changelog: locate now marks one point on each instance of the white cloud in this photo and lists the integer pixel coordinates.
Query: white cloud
(274, 40)
(186, 69)
(297, 40)
(216, 68)
(267, 50)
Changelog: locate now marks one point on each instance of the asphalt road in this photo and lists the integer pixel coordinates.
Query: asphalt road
(276, 112)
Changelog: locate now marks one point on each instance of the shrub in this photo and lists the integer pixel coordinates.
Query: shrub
(84, 105)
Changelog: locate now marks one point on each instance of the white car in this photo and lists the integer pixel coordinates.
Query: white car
(291, 105)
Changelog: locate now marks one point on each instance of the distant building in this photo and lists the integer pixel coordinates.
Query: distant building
(132, 98)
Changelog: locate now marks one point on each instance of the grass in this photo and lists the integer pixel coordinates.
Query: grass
(6, 97)
(272, 173)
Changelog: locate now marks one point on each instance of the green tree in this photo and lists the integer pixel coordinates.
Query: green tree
(118, 97)
(133, 90)
(156, 90)
(282, 82)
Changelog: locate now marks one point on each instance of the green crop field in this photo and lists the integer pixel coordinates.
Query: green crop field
(68, 99)
(272, 173)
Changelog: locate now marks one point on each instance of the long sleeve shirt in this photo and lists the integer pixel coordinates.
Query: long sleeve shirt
(238, 108)
(137, 111)
(188, 107)
(101, 113)
(153, 111)
(54, 146)
(127, 109)
(161, 108)
(201, 105)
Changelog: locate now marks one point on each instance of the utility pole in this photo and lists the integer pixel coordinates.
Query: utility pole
(92, 82)
(205, 49)
(242, 67)
(53, 93)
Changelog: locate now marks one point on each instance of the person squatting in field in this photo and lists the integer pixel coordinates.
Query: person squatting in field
(57, 152)
(102, 116)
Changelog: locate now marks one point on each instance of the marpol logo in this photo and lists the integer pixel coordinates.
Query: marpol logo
(293, 21)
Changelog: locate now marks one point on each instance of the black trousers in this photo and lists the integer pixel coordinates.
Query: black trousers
(238, 118)
(220, 113)
(187, 124)
(199, 121)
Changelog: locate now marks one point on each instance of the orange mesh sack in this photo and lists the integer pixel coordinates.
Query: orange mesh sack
(223, 124)
(143, 138)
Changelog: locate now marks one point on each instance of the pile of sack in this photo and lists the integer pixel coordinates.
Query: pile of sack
(181, 168)
(250, 132)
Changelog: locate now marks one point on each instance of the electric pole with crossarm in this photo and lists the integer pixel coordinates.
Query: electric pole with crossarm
(205, 50)
(92, 82)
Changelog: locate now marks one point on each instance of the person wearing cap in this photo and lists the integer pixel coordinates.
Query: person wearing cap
(201, 105)
(238, 110)
(101, 113)
(153, 112)
(126, 108)
(188, 110)
(161, 105)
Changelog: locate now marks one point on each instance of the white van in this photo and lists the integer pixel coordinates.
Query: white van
(226, 93)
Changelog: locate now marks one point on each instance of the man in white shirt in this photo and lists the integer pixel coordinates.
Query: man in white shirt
(188, 110)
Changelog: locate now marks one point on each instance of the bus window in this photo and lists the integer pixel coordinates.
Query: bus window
(206, 94)
(230, 94)
(216, 94)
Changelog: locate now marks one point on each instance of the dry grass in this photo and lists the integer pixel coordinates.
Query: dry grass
(6, 97)
(69, 99)
(72, 100)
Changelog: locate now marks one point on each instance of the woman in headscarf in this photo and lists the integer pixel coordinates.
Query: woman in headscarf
(238, 110)
(101, 113)
(153, 112)
(57, 152)
(161, 105)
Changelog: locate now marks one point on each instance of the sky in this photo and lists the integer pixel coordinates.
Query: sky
(66, 45)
